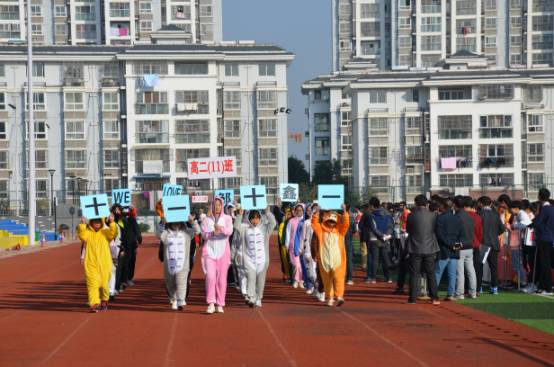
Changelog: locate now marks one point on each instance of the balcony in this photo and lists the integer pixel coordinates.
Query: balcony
(496, 162)
(152, 138)
(151, 109)
(428, 9)
(453, 163)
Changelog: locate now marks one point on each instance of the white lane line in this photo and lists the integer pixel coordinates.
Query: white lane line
(288, 356)
(66, 340)
(169, 361)
(385, 339)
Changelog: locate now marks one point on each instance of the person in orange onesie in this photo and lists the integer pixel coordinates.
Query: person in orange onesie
(331, 256)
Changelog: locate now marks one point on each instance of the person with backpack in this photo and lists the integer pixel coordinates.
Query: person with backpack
(381, 227)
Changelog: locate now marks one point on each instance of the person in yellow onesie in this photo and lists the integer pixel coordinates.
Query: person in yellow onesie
(332, 253)
(97, 263)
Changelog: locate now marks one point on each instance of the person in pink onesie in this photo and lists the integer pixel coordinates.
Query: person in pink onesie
(294, 244)
(216, 255)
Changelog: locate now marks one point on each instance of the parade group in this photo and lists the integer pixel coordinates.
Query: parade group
(458, 234)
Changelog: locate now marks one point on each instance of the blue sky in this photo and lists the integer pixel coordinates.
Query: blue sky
(300, 26)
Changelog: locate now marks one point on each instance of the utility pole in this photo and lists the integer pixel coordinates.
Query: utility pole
(32, 184)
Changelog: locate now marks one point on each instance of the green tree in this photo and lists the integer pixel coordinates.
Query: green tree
(297, 171)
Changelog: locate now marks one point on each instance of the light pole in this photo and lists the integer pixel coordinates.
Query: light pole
(52, 203)
(280, 112)
(32, 184)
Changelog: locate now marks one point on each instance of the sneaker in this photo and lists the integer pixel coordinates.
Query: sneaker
(424, 298)
(349, 282)
(330, 302)
(181, 305)
(103, 306)
(544, 293)
(494, 290)
(259, 303)
(436, 302)
(449, 298)
(94, 309)
(340, 301)
(310, 291)
(389, 281)
(321, 297)
(174, 305)
(112, 298)
(409, 302)
(220, 309)
(295, 284)
(301, 285)
(373, 281)
(473, 296)
(460, 297)
(211, 309)
(130, 283)
(398, 291)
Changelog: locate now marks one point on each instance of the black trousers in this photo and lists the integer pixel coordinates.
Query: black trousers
(529, 253)
(403, 268)
(122, 269)
(132, 263)
(425, 263)
(492, 260)
(478, 265)
(544, 272)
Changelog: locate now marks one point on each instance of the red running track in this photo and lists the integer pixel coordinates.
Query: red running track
(44, 321)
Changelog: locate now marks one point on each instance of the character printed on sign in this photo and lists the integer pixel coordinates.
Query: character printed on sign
(289, 193)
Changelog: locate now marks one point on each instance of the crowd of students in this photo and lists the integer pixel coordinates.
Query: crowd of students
(452, 235)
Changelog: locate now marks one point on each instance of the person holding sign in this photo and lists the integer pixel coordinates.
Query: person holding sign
(254, 241)
(176, 241)
(294, 243)
(216, 255)
(332, 253)
(97, 263)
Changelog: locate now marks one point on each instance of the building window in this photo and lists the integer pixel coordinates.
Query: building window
(377, 96)
(431, 24)
(110, 71)
(38, 101)
(151, 103)
(234, 152)
(378, 126)
(3, 132)
(231, 100)
(111, 158)
(36, 11)
(41, 158)
(111, 184)
(142, 68)
(36, 29)
(40, 130)
(448, 94)
(345, 119)
(405, 23)
(414, 153)
(462, 153)
(405, 42)
(321, 122)
(496, 91)
(490, 41)
(152, 132)
(2, 101)
(370, 29)
(535, 124)
(431, 43)
(495, 126)
(41, 187)
(413, 125)
(542, 58)
(205, 11)
(271, 183)
(232, 128)
(111, 130)
(454, 127)
(267, 99)
(543, 41)
(199, 98)
(490, 4)
(379, 184)
(38, 70)
(267, 128)
(231, 69)
(456, 180)
(75, 159)
(111, 101)
(61, 30)
(189, 68)
(74, 130)
(496, 179)
(180, 12)
(378, 155)
(533, 93)
(268, 157)
(153, 156)
(192, 131)
(60, 11)
(346, 165)
(145, 26)
(535, 181)
(86, 31)
(346, 142)
(535, 152)
(322, 146)
(542, 23)
(496, 155)
(4, 159)
(266, 69)
(73, 101)
(85, 12)
(145, 8)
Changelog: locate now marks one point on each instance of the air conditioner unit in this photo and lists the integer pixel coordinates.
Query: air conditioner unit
(187, 107)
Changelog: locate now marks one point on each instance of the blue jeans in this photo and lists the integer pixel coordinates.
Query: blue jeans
(452, 266)
(518, 266)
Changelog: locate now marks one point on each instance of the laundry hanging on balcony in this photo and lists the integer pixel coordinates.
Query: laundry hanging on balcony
(151, 80)
(449, 163)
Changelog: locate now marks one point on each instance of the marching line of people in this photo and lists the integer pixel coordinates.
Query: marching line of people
(452, 235)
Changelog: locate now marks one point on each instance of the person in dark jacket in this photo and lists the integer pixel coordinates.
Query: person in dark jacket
(364, 227)
(450, 234)
(422, 248)
(381, 226)
(132, 219)
(544, 238)
(349, 244)
(465, 262)
(492, 228)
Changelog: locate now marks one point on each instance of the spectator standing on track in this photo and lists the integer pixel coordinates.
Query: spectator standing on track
(349, 244)
(175, 244)
(544, 237)
(254, 241)
(381, 226)
(132, 218)
(217, 227)
(492, 229)
(518, 230)
(450, 234)
(465, 262)
(422, 249)
(470, 207)
(98, 261)
(401, 238)
(364, 240)
(331, 253)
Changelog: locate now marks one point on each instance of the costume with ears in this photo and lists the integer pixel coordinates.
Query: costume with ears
(216, 254)
(332, 254)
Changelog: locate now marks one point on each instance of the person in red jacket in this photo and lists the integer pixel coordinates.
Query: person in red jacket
(471, 209)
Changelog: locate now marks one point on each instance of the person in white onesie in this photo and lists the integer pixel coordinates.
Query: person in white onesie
(255, 236)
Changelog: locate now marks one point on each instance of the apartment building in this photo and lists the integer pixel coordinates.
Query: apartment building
(111, 116)
(109, 22)
(471, 131)
(403, 34)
